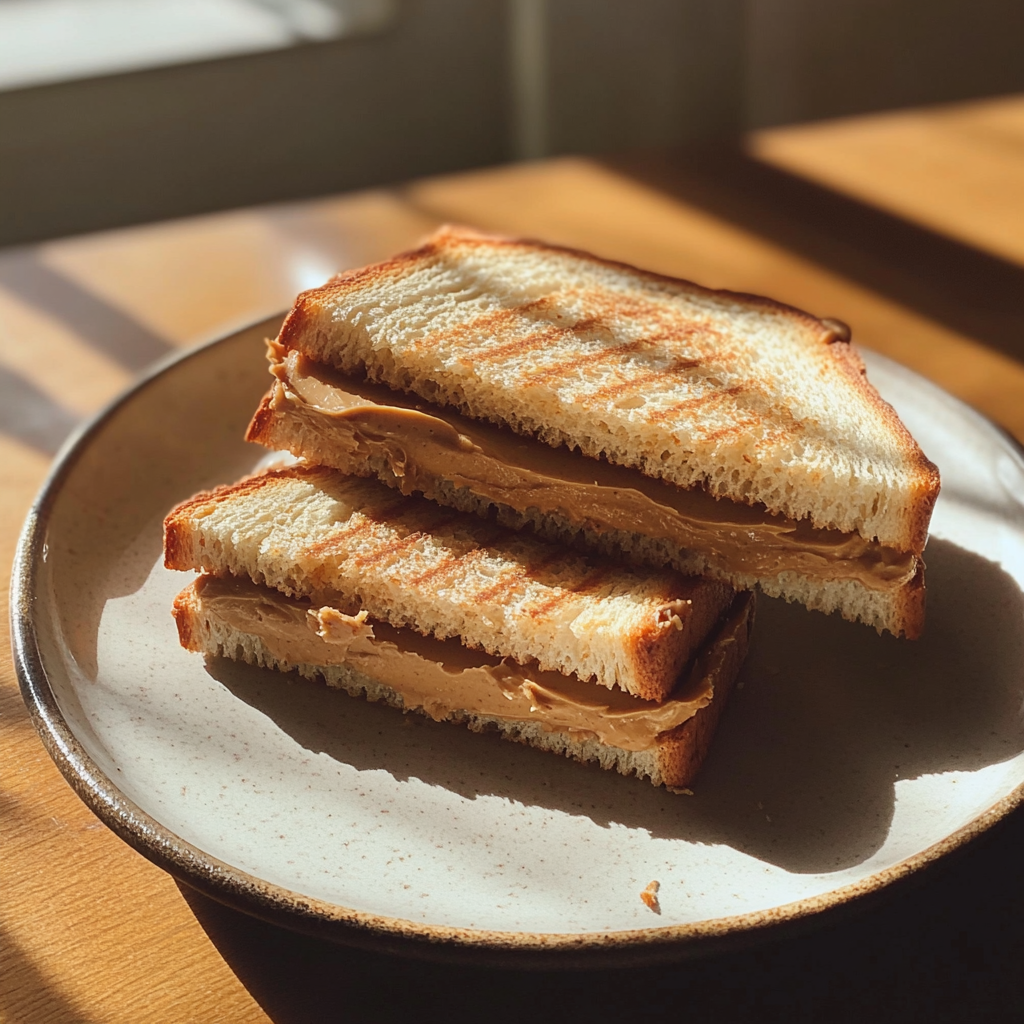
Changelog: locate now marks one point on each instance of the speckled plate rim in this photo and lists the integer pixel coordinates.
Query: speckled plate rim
(292, 910)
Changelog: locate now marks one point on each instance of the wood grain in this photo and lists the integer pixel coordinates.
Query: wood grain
(956, 169)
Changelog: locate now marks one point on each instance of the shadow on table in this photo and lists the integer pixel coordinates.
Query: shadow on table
(802, 774)
(29, 995)
(972, 291)
(946, 949)
(30, 416)
(26, 412)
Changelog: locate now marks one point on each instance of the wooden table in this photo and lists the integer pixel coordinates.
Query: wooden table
(908, 226)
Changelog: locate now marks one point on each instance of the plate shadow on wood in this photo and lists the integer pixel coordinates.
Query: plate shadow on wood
(828, 718)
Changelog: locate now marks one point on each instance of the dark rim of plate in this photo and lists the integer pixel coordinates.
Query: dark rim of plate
(288, 909)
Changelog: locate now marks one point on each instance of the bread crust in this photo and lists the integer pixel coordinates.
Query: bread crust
(926, 474)
(186, 617)
(292, 329)
(261, 427)
(682, 751)
(179, 536)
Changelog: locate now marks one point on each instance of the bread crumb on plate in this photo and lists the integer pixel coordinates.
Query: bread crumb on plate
(650, 896)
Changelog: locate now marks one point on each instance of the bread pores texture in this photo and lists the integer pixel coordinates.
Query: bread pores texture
(314, 532)
(674, 761)
(899, 611)
(751, 399)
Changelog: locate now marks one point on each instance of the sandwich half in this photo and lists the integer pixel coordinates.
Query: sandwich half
(358, 546)
(639, 415)
(665, 741)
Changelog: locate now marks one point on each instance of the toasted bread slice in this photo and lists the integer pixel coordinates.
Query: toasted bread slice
(314, 532)
(338, 420)
(252, 624)
(750, 399)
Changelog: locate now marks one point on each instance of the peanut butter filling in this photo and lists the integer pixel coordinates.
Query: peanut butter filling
(353, 421)
(441, 677)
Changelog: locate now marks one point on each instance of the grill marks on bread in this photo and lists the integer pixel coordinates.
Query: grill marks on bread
(753, 400)
(579, 358)
(517, 575)
(313, 532)
(677, 368)
(553, 326)
(613, 355)
(584, 356)
(590, 583)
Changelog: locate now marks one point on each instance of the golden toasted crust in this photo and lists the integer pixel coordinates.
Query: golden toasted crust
(179, 534)
(925, 482)
(261, 427)
(185, 611)
(682, 751)
(912, 605)
(293, 328)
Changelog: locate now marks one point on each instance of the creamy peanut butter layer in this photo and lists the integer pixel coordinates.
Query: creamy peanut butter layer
(352, 424)
(443, 678)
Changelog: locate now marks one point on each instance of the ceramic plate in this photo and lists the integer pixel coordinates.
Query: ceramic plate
(845, 761)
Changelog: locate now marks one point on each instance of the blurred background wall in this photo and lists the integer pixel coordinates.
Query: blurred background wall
(446, 84)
